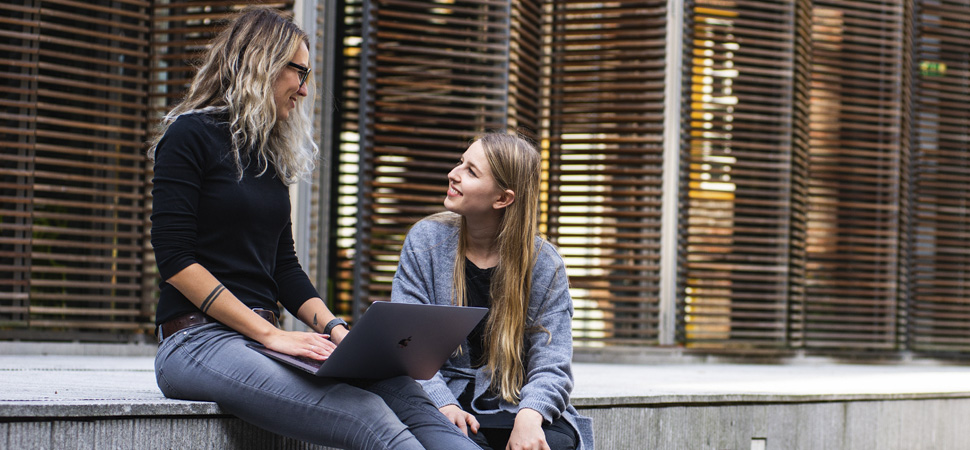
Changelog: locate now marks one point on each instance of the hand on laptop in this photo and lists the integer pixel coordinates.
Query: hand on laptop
(298, 343)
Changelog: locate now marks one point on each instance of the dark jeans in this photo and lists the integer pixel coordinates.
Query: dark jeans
(212, 363)
(495, 429)
(559, 435)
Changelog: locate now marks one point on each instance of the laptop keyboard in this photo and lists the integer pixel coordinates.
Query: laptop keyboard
(313, 362)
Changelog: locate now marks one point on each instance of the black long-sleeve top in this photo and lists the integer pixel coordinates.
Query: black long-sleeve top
(240, 230)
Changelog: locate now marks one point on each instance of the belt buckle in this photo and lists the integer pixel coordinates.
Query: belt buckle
(275, 321)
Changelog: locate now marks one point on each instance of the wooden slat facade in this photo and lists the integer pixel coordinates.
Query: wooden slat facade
(822, 159)
(75, 96)
(940, 317)
(855, 175)
(741, 172)
(605, 149)
(346, 168)
(18, 102)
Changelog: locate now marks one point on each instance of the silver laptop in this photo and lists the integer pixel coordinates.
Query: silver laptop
(393, 339)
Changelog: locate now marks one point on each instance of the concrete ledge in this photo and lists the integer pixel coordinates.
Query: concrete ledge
(106, 408)
(113, 402)
(25, 348)
(154, 432)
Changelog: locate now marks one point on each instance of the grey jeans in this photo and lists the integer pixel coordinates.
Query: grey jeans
(212, 363)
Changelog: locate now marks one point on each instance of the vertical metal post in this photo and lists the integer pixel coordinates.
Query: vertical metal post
(365, 165)
(301, 193)
(671, 173)
(305, 18)
(328, 85)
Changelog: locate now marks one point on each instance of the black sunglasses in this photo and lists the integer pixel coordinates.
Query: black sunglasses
(304, 71)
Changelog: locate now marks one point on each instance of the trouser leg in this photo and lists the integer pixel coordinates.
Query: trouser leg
(413, 406)
(212, 363)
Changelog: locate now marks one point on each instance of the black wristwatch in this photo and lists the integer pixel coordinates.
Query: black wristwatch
(336, 321)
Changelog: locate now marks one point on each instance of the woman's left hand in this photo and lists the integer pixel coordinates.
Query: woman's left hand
(527, 432)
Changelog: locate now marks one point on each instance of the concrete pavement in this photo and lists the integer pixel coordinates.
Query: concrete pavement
(37, 382)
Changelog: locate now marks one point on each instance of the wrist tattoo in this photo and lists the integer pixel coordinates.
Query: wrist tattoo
(314, 319)
(207, 303)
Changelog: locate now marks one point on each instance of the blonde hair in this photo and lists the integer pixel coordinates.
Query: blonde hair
(515, 165)
(236, 79)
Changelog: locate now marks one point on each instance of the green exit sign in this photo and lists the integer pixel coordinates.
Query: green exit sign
(932, 68)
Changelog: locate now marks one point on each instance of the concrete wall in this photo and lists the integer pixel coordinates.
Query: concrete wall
(177, 433)
(937, 424)
(932, 424)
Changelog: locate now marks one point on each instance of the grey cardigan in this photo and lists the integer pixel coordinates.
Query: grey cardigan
(424, 275)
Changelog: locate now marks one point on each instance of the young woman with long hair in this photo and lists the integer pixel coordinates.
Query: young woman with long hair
(509, 383)
(221, 233)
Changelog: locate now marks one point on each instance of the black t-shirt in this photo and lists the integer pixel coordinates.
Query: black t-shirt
(477, 286)
(240, 230)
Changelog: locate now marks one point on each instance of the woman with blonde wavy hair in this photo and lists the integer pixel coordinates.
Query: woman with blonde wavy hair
(223, 244)
(509, 383)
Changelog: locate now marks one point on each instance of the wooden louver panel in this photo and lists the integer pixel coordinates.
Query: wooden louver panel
(347, 163)
(854, 176)
(435, 76)
(18, 125)
(76, 154)
(940, 313)
(740, 174)
(605, 145)
(524, 72)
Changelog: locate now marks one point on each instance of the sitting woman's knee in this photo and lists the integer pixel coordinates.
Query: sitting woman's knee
(558, 440)
(403, 385)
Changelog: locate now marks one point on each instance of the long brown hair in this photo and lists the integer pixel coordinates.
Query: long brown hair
(236, 79)
(515, 165)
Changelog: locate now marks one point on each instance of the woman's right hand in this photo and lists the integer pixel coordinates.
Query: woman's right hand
(459, 417)
(298, 343)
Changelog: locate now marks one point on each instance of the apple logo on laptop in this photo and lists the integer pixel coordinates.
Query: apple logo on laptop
(404, 342)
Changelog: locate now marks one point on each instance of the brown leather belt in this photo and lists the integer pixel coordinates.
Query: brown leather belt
(194, 319)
